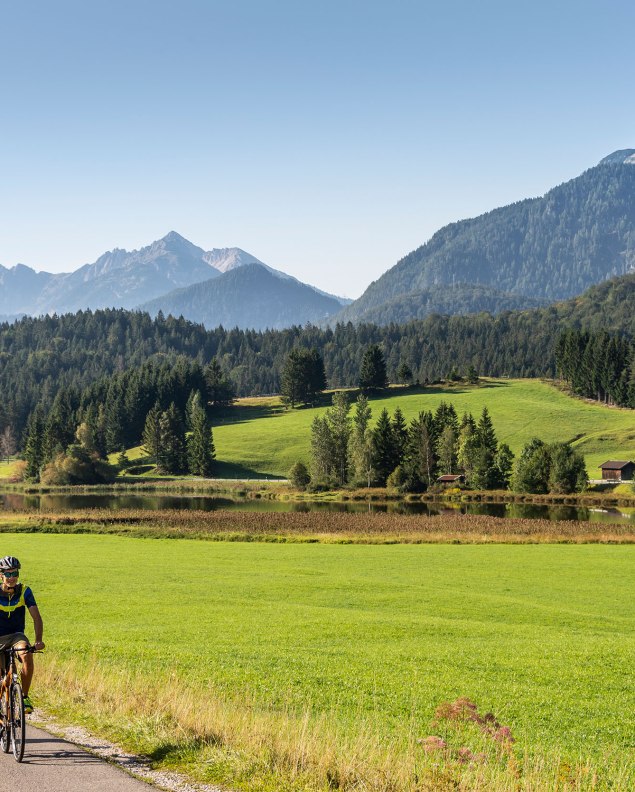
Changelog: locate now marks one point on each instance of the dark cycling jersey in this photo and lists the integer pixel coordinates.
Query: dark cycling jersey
(13, 609)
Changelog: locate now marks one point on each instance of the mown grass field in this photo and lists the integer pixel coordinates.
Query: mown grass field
(319, 666)
(258, 438)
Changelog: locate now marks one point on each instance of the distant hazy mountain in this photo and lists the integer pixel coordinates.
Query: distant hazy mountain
(550, 248)
(19, 287)
(249, 296)
(123, 279)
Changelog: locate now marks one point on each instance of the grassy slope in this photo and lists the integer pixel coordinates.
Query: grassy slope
(375, 637)
(521, 409)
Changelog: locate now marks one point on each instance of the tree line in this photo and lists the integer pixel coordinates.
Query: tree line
(349, 451)
(598, 365)
(175, 442)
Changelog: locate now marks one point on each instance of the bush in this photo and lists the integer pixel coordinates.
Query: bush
(78, 465)
(19, 472)
(398, 479)
(299, 476)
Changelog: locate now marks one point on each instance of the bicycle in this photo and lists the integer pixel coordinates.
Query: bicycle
(12, 717)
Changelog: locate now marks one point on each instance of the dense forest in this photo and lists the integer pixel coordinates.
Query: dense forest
(113, 356)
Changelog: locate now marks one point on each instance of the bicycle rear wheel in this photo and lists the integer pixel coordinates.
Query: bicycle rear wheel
(5, 729)
(18, 722)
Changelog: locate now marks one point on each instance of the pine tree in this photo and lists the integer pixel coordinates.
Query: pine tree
(468, 449)
(372, 374)
(114, 417)
(400, 433)
(173, 448)
(484, 473)
(200, 443)
(220, 389)
(385, 454)
(152, 446)
(33, 446)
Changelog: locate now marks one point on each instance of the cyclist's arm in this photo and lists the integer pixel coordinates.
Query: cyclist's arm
(38, 626)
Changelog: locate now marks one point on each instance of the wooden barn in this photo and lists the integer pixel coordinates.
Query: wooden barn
(617, 471)
(450, 478)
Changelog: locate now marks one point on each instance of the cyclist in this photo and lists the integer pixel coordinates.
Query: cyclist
(15, 598)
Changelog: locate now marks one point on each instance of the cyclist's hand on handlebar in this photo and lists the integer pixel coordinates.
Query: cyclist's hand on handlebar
(39, 645)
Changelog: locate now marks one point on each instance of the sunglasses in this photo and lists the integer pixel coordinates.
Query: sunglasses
(9, 573)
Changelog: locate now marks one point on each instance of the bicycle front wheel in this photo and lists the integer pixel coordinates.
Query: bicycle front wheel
(18, 722)
(5, 718)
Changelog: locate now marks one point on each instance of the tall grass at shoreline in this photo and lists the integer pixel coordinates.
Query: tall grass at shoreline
(321, 527)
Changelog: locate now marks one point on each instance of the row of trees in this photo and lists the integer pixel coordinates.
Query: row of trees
(347, 450)
(178, 442)
(598, 366)
(177, 445)
(304, 376)
(411, 457)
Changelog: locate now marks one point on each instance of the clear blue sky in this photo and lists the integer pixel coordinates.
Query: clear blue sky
(326, 138)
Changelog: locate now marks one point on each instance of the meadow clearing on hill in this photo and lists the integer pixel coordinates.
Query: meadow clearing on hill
(260, 436)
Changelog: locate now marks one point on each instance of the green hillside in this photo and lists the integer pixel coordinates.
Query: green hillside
(259, 438)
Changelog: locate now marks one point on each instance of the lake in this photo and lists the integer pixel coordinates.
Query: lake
(62, 502)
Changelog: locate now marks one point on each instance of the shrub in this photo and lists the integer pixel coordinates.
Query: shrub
(19, 472)
(78, 465)
(397, 479)
(299, 475)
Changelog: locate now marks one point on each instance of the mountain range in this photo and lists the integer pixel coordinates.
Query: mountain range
(157, 277)
(530, 253)
(546, 249)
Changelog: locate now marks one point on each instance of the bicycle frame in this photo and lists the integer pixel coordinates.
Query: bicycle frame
(12, 717)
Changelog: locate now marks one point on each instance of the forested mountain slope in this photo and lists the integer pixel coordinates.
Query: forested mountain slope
(251, 296)
(550, 248)
(38, 357)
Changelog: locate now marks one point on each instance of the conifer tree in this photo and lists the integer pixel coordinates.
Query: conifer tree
(152, 435)
(200, 442)
(385, 454)
(173, 448)
(400, 434)
(33, 446)
(372, 374)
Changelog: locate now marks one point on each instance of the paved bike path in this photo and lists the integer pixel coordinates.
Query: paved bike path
(52, 764)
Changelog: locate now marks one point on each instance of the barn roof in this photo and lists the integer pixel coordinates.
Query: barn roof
(615, 465)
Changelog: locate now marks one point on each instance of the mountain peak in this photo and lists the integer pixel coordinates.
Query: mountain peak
(173, 236)
(620, 157)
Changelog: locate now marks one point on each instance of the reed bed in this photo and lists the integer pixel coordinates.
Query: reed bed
(370, 528)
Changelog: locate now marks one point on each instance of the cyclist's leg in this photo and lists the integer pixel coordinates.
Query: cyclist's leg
(20, 641)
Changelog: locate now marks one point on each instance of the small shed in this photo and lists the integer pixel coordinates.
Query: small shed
(617, 470)
(451, 478)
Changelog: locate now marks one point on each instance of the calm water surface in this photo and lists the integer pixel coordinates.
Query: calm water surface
(66, 502)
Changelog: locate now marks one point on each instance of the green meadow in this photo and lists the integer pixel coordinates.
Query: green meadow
(289, 667)
(268, 440)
